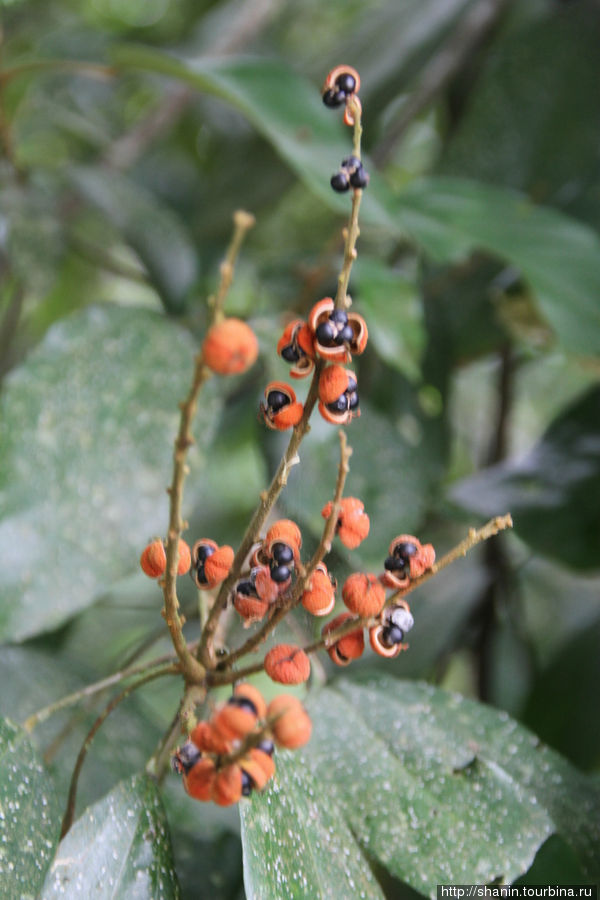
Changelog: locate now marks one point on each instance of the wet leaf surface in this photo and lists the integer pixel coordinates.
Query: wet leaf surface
(120, 847)
(30, 815)
(433, 787)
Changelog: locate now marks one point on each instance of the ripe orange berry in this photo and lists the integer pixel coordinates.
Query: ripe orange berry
(291, 725)
(200, 779)
(207, 739)
(230, 347)
(227, 785)
(353, 523)
(285, 531)
(333, 383)
(154, 559)
(251, 609)
(185, 558)
(217, 565)
(319, 598)
(363, 594)
(287, 664)
(232, 721)
(347, 648)
(259, 766)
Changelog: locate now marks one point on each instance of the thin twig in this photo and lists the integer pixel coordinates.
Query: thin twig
(352, 231)
(194, 671)
(70, 810)
(79, 67)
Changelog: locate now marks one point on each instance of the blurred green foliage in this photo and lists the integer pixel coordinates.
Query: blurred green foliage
(130, 131)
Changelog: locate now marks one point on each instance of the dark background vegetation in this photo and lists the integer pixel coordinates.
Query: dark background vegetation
(479, 388)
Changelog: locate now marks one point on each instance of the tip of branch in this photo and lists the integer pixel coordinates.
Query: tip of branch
(243, 219)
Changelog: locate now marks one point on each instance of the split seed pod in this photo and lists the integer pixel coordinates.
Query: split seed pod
(154, 559)
(230, 347)
(208, 740)
(338, 395)
(295, 346)
(287, 664)
(347, 648)
(353, 523)
(319, 597)
(250, 692)
(259, 767)
(338, 334)
(280, 409)
(290, 723)
(234, 722)
(286, 531)
(363, 594)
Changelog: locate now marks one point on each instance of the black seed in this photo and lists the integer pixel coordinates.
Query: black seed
(339, 182)
(282, 553)
(346, 82)
(339, 316)
(276, 400)
(391, 636)
(405, 550)
(243, 703)
(352, 400)
(360, 178)
(325, 333)
(340, 405)
(392, 564)
(247, 784)
(351, 384)
(279, 574)
(267, 746)
(187, 756)
(204, 551)
(246, 588)
(290, 353)
(346, 334)
(351, 163)
(333, 98)
(201, 574)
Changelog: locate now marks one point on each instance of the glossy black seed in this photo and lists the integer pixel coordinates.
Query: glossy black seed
(279, 574)
(247, 784)
(346, 334)
(201, 574)
(405, 549)
(246, 588)
(338, 406)
(346, 82)
(392, 635)
(187, 757)
(360, 178)
(333, 98)
(325, 333)
(243, 703)
(393, 564)
(267, 746)
(351, 163)
(203, 552)
(351, 384)
(276, 400)
(290, 353)
(339, 316)
(352, 400)
(339, 182)
(282, 553)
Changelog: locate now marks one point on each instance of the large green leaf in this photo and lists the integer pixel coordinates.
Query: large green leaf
(85, 454)
(120, 847)
(29, 815)
(448, 217)
(431, 786)
(553, 492)
(153, 231)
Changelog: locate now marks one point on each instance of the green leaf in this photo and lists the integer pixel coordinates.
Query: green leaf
(85, 455)
(553, 492)
(433, 787)
(447, 217)
(390, 303)
(29, 815)
(120, 847)
(450, 217)
(153, 231)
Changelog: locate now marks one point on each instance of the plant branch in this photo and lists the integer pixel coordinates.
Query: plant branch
(223, 676)
(70, 810)
(79, 67)
(352, 231)
(193, 670)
